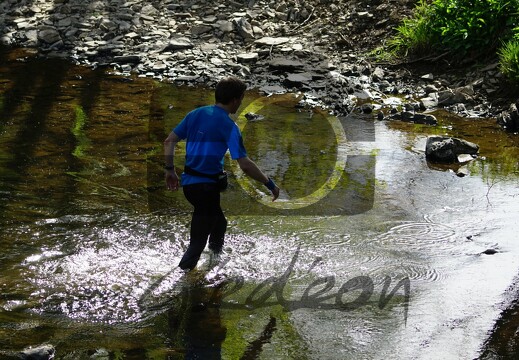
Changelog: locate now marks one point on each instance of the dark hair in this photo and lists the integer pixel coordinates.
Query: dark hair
(229, 88)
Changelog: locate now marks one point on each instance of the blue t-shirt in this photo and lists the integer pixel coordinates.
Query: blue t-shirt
(209, 133)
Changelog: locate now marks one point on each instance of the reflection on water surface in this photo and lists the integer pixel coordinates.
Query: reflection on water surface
(90, 239)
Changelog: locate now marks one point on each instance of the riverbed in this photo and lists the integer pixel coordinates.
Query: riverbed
(370, 252)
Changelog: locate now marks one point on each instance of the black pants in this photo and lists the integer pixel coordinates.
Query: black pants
(208, 221)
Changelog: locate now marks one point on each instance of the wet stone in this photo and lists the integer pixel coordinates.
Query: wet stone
(446, 149)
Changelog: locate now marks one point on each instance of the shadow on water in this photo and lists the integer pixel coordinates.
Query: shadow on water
(195, 329)
(196, 326)
(39, 82)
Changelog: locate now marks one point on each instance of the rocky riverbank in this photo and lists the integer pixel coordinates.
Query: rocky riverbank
(316, 47)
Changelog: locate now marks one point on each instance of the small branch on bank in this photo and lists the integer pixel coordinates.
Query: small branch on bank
(303, 23)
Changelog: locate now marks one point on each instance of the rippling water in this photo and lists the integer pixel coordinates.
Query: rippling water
(372, 253)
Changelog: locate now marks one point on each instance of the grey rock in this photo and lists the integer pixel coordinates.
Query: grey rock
(426, 119)
(417, 118)
(254, 117)
(180, 43)
(149, 10)
(210, 19)
(367, 108)
(247, 57)
(464, 158)
(201, 29)
(429, 102)
(273, 89)
(63, 23)
(446, 149)
(378, 74)
(32, 36)
(244, 28)
(107, 25)
(127, 59)
(490, 252)
(49, 36)
(297, 80)
(286, 64)
(458, 95)
(20, 25)
(100, 354)
(430, 88)
(257, 31)
(226, 26)
(125, 16)
(147, 17)
(463, 171)
(272, 41)
(186, 78)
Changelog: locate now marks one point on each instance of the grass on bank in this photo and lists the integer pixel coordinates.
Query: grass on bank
(462, 30)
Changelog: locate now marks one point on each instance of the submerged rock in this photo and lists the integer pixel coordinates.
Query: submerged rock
(44, 352)
(254, 117)
(417, 118)
(447, 149)
(490, 252)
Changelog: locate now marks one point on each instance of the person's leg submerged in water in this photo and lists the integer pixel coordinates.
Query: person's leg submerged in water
(208, 221)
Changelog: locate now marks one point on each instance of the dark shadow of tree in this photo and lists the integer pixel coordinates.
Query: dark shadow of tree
(50, 74)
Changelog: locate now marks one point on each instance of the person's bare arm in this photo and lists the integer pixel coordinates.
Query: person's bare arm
(250, 168)
(172, 181)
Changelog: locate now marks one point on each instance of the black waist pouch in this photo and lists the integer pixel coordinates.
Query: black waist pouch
(221, 178)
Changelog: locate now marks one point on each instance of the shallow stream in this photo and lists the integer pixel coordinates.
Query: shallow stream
(370, 253)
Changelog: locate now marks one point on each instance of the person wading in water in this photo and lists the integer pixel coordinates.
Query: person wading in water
(209, 132)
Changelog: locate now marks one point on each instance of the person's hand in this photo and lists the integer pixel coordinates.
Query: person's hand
(172, 181)
(275, 193)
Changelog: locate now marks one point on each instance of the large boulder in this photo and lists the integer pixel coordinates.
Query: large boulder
(445, 149)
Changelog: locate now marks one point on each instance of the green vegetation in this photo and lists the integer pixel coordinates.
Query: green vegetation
(509, 59)
(78, 132)
(414, 34)
(461, 29)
